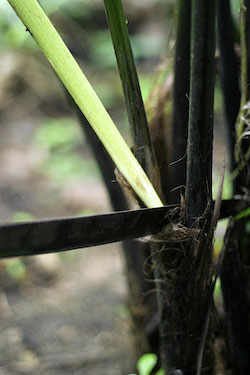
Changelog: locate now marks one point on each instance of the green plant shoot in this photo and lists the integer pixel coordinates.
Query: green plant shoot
(146, 364)
(69, 72)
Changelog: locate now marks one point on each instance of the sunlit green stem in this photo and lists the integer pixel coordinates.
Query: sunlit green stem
(83, 94)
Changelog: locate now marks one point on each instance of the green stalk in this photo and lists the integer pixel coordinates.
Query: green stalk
(53, 47)
(131, 88)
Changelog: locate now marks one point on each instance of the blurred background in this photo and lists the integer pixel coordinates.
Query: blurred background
(66, 314)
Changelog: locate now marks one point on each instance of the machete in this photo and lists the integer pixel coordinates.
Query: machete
(54, 235)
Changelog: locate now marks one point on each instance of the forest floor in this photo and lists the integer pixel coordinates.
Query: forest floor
(65, 314)
(76, 323)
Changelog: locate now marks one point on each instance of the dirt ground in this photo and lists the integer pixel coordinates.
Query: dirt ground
(68, 314)
(74, 325)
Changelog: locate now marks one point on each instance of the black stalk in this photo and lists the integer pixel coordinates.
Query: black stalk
(181, 101)
(200, 127)
(229, 73)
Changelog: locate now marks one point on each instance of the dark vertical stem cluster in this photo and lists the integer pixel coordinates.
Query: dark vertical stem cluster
(200, 130)
(198, 195)
(131, 89)
(186, 282)
(181, 101)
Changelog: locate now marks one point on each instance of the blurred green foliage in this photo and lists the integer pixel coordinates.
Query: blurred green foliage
(21, 216)
(63, 141)
(65, 167)
(16, 269)
(58, 132)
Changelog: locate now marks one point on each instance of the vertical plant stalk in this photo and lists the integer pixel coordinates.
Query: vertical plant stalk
(83, 94)
(235, 286)
(181, 101)
(199, 187)
(229, 74)
(169, 260)
(131, 88)
(184, 289)
(200, 127)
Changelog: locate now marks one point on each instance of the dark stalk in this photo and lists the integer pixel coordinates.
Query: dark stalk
(234, 286)
(229, 74)
(200, 127)
(198, 196)
(181, 101)
(131, 88)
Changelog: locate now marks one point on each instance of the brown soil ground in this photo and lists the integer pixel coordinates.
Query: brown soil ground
(68, 314)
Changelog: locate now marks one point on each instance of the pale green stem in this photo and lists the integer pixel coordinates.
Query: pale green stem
(53, 47)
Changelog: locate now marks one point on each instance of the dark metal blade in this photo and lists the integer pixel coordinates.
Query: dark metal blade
(47, 236)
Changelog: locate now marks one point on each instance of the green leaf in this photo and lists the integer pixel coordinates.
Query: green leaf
(160, 372)
(146, 363)
(242, 214)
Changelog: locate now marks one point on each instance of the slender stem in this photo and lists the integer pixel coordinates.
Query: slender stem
(83, 94)
(200, 127)
(235, 291)
(229, 74)
(131, 88)
(181, 100)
